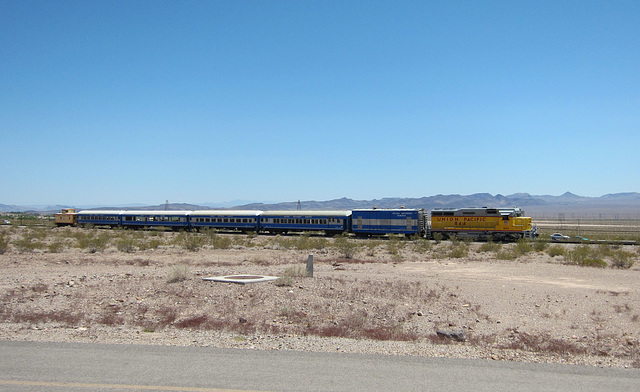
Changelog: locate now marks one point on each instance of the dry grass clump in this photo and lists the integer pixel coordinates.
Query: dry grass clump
(291, 272)
(178, 273)
(458, 249)
(421, 245)
(490, 247)
(219, 241)
(190, 241)
(345, 246)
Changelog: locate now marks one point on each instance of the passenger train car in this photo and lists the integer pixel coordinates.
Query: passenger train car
(481, 223)
(331, 222)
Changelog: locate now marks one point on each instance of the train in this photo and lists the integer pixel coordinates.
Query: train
(500, 224)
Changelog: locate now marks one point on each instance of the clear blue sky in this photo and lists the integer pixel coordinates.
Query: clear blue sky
(117, 102)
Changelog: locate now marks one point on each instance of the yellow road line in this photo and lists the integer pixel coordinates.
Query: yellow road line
(117, 386)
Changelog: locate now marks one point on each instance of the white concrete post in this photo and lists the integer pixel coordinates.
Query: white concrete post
(310, 266)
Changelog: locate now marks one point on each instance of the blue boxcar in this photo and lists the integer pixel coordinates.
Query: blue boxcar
(383, 221)
(225, 220)
(99, 218)
(331, 222)
(142, 219)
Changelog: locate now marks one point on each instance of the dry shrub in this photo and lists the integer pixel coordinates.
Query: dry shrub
(543, 343)
(4, 243)
(178, 273)
(111, 317)
(506, 254)
(622, 259)
(65, 317)
(220, 241)
(490, 246)
(523, 247)
(126, 245)
(458, 250)
(204, 322)
(355, 327)
(27, 244)
(193, 322)
(556, 250)
(167, 315)
(294, 315)
(345, 246)
(296, 271)
(584, 256)
(421, 245)
(283, 281)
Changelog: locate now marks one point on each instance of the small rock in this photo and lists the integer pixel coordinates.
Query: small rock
(457, 335)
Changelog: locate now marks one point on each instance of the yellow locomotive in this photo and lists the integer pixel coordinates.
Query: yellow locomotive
(483, 223)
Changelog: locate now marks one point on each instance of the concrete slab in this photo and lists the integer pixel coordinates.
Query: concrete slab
(241, 279)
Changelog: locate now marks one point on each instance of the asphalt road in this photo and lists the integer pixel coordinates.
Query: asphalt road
(32, 366)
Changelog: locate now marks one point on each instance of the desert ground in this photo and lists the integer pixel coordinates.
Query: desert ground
(530, 302)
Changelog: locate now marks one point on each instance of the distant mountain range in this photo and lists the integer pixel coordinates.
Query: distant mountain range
(608, 206)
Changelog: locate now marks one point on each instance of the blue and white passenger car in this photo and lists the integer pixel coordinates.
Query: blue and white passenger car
(331, 222)
(388, 221)
(144, 219)
(225, 220)
(99, 218)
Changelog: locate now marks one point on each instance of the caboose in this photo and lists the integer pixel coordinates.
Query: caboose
(67, 217)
